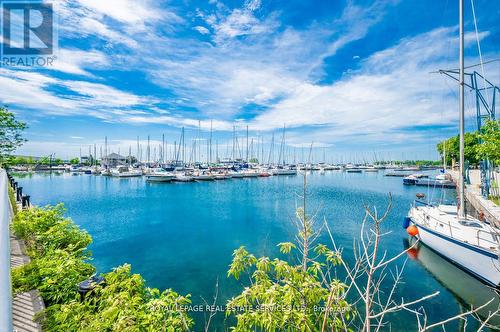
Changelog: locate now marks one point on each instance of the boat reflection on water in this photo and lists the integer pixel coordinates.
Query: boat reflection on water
(468, 290)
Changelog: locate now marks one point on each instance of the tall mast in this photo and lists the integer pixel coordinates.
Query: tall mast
(234, 138)
(183, 146)
(162, 149)
(149, 151)
(247, 146)
(106, 149)
(137, 154)
(210, 143)
(461, 185)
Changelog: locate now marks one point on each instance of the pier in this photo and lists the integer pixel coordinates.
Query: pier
(16, 314)
(476, 200)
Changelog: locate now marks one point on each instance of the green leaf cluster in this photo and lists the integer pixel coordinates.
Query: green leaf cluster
(123, 303)
(282, 296)
(10, 134)
(452, 148)
(490, 138)
(60, 260)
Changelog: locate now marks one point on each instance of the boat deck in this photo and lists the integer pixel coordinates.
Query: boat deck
(24, 305)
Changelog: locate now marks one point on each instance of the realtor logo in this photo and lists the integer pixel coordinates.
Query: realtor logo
(28, 34)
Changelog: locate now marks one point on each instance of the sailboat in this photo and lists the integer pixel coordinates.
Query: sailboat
(283, 168)
(470, 243)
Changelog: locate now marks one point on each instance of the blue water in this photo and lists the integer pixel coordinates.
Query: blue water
(182, 235)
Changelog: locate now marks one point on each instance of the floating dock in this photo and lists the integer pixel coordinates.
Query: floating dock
(435, 183)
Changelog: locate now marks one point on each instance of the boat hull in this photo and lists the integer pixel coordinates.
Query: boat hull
(480, 263)
(126, 175)
(166, 178)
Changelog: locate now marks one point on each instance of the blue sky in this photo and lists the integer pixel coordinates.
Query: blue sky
(351, 76)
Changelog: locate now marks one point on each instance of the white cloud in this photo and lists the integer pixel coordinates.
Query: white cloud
(35, 91)
(238, 22)
(117, 22)
(393, 90)
(202, 30)
(125, 11)
(74, 61)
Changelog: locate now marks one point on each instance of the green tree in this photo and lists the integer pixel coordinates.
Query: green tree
(286, 296)
(490, 142)
(74, 161)
(10, 134)
(452, 150)
(44, 161)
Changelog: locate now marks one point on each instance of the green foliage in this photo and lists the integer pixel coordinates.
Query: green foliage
(60, 260)
(490, 142)
(452, 146)
(46, 229)
(55, 275)
(74, 161)
(124, 303)
(58, 251)
(20, 160)
(10, 134)
(283, 297)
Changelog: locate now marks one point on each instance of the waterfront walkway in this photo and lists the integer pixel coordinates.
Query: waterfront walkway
(473, 195)
(24, 305)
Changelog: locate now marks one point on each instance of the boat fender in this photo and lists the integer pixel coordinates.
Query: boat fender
(420, 195)
(406, 222)
(481, 216)
(412, 230)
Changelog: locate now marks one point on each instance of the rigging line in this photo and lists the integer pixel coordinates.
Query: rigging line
(479, 49)
(466, 67)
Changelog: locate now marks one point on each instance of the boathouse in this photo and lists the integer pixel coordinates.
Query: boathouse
(113, 160)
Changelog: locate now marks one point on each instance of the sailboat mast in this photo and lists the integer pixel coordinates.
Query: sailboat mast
(247, 146)
(210, 149)
(461, 185)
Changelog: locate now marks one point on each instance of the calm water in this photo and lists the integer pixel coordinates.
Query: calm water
(182, 235)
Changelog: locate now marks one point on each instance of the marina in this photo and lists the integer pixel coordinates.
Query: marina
(258, 215)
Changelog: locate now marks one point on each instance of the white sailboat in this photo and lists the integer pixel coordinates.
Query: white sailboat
(470, 243)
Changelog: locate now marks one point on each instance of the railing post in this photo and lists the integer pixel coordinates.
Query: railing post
(5, 281)
(25, 201)
(19, 193)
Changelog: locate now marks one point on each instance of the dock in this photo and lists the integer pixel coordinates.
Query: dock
(476, 200)
(24, 305)
(434, 183)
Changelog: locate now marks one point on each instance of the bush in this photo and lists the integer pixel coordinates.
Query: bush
(123, 304)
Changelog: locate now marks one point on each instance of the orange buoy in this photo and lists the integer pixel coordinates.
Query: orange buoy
(412, 230)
